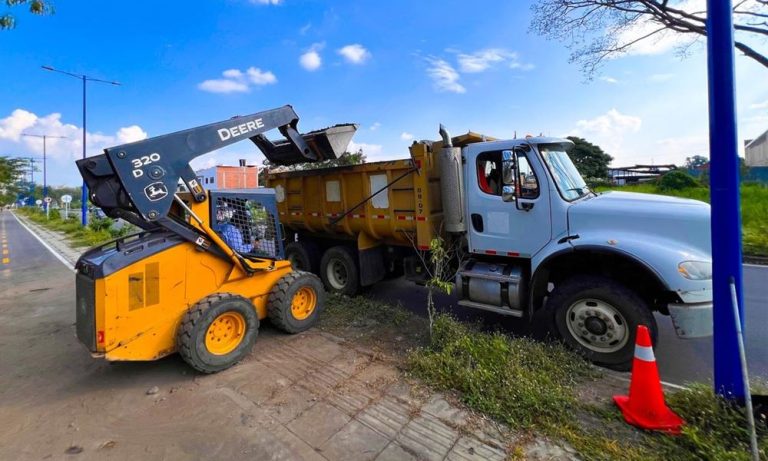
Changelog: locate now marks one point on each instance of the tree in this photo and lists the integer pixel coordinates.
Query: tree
(695, 162)
(11, 173)
(36, 7)
(597, 30)
(589, 159)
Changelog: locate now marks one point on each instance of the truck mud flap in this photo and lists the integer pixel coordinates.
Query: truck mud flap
(372, 267)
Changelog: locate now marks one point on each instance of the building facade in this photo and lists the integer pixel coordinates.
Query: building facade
(222, 177)
(756, 151)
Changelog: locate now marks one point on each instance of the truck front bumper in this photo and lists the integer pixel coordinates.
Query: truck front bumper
(692, 320)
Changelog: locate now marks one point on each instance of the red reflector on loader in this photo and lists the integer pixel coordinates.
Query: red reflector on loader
(100, 337)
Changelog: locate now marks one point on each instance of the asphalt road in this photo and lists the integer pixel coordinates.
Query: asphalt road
(680, 360)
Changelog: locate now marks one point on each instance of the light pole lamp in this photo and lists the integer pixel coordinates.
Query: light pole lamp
(85, 79)
(44, 137)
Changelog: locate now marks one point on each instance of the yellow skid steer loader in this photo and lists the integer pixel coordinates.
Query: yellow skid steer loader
(207, 266)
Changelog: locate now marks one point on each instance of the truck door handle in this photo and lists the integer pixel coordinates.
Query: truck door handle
(477, 222)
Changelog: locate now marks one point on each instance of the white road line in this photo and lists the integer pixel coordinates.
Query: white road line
(58, 256)
(754, 265)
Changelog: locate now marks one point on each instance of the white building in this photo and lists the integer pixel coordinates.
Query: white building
(756, 151)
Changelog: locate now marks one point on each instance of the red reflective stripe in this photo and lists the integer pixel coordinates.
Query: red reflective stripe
(421, 218)
(490, 252)
(513, 253)
(423, 247)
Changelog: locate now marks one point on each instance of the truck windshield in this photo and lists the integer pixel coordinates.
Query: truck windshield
(569, 182)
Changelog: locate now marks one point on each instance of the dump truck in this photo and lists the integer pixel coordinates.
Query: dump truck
(525, 236)
(207, 266)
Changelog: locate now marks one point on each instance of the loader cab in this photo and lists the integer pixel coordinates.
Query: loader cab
(247, 221)
(514, 206)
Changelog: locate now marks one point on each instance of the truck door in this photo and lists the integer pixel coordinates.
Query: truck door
(497, 227)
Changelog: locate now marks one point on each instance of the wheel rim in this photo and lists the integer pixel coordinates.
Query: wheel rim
(597, 325)
(303, 303)
(225, 333)
(337, 274)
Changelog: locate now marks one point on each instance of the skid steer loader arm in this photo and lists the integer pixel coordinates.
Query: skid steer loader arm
(138, 181)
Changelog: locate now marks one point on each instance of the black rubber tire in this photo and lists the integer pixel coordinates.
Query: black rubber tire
(346, 257)
(281, 298)
(190, 338)
(632, 308)
(304, 256)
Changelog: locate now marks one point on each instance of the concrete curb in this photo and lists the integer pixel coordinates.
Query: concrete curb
(55, 242)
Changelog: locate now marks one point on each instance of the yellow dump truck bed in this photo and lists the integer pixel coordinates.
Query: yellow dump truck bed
(340, 201)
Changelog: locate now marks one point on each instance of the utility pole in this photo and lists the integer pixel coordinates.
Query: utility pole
(45, 178)
(85, 79)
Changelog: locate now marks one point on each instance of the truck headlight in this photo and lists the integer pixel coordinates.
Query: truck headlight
(695, 270)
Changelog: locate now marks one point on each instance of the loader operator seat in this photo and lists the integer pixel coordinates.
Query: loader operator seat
(231, 225)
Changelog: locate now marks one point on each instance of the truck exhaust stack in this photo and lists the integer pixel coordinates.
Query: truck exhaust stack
(451, 185)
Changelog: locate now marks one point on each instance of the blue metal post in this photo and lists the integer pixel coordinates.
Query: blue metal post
(84, 194)
(724, 191)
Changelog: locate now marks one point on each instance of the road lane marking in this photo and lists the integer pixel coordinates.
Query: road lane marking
(48, 247)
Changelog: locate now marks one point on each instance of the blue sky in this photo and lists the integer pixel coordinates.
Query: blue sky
(398, 68)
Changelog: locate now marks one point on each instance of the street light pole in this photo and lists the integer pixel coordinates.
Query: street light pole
(85, 79)
(45, 177)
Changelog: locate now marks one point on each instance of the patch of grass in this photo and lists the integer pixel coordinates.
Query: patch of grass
(521, 382)
(343, 311)
(531, 387)
(754, 210)
(99, 231)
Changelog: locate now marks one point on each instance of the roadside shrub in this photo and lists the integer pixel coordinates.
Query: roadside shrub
(99, 224)
(677, 180)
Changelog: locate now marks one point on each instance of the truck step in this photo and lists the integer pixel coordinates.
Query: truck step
(487, 307)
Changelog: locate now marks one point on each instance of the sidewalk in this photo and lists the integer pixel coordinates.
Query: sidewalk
(311, 396)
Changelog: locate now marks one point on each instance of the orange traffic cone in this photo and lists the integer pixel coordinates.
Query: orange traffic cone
(645, 406)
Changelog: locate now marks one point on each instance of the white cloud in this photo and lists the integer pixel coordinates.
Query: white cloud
(612, 122)
(266, 2)
(223, 86)
(375, 126)
(237, 81)
(608, 79)
(444, 76)
(259, 77)
(405, 136)
(311, 60)
(759, 105)
(305, 28)
(66, 148)
(482, 60)
(355, 53)
(608, 131)
(659, 78)
(371, 151)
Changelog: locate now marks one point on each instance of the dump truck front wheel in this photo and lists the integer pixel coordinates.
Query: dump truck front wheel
(217, 332)
(598, 318)
(339, 271)
(296, 301)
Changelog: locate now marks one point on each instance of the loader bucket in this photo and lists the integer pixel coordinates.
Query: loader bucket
(326, 144)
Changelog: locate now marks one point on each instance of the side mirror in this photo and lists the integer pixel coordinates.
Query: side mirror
(508, 167)
(511, 191)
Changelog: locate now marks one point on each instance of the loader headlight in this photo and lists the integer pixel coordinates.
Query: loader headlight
(695, 270)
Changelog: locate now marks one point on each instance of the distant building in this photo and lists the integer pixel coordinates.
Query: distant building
(221, 177)
(756, 151)
(637, 173)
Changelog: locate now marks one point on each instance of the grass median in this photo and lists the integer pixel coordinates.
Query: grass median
(99, 230)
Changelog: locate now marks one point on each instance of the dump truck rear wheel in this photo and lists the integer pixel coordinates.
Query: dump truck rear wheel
(217, 332)
(339, 271)
(598, 318)
(296, 301)
(304, 256)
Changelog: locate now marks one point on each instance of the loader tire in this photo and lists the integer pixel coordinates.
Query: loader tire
(339, 271)
(296, 301)
(217, 332)
(304, 256)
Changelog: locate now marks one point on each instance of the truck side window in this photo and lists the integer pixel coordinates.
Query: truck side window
(529, 185)
(489, 172)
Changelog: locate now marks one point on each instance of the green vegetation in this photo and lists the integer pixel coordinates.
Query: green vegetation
(677, 180)
(754, 210)
(533, 387)
(35, 7)
(591, 161)
(99, 230)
